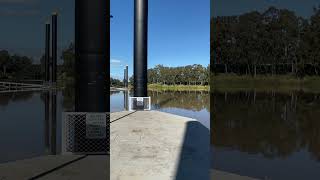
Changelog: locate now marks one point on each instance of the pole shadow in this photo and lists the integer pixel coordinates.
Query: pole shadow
(194, 161)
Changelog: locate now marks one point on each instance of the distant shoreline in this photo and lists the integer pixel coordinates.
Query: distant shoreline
(178, 87)
(265, 83)
(227, 82)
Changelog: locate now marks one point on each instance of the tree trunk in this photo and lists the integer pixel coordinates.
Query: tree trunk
(254, 97)
(255, 70)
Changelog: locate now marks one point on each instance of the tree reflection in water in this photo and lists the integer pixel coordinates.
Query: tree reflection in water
(6, 98)
(190, 100)
(271, 123)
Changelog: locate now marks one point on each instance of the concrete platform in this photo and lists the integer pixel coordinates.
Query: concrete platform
(89, 168)
(155, 145)
(144, 145)
(28, 168)
(62, 167)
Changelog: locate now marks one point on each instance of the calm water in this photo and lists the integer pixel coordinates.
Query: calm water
(189, 104)
(23, 132)
(259, 134)
(22, 125)
(267, 134)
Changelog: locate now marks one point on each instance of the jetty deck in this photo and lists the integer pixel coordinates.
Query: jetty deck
(155, 145)
(144, 145)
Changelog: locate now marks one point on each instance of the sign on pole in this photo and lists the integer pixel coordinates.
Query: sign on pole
(96, 125)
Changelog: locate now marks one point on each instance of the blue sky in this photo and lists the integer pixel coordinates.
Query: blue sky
(178, 33)
(178, 29)
(23, 23)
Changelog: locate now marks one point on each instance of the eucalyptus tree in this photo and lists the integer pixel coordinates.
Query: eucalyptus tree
(313, 39)
(4, 60)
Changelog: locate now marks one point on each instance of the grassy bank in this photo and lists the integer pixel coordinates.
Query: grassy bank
(277, 83)
(160, 87)
(235, 83)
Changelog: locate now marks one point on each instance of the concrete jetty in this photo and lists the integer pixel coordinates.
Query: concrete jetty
(144, 145)
(52, 167)
(155, 145)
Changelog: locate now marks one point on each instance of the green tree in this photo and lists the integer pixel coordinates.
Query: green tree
(4, 60)
(68, 56)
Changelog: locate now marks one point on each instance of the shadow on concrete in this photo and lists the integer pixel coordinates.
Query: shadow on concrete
(195, 155)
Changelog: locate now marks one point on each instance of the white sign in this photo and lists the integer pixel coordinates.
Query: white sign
(139, 101)
(96, 125)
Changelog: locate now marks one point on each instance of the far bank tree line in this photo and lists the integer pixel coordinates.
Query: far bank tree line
(195, 74)
(275, 41)
(22, 67)
(13, 66)
(16, 67)
(184, 75)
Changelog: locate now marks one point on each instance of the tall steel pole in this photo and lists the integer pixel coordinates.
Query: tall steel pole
(140, 48)
(124, 77)
(127, 76)
(92, 50)
(47, 54)
(53, 93)
(54, 47)
(47, 79)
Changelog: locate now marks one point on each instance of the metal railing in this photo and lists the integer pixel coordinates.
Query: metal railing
(20, 87)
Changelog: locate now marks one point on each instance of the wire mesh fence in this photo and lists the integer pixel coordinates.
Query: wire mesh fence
(139, 103)
(85, 133)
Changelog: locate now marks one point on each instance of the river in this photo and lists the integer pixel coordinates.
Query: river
(265, 134)
(23, 132)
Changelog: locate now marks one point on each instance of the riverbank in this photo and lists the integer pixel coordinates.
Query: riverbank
(152, 87)
(160, 87)
(235, 83)
(265, 83)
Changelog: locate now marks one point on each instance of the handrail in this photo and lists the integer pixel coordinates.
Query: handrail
(20, 84)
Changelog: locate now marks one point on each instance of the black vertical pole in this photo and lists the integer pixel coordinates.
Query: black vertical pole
(47, 54)
(140, 47)
(47, 79)
(53, 93)
(125, 99)
(54, 47)
(126, 77)
(46, 120)
(53, 121)
(46, 94)
(92, 49)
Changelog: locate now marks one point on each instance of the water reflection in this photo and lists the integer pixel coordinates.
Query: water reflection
(193, 101)
(22, 126)
(189, 104)
(7, 98)
(266, 125)
(27, 131)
